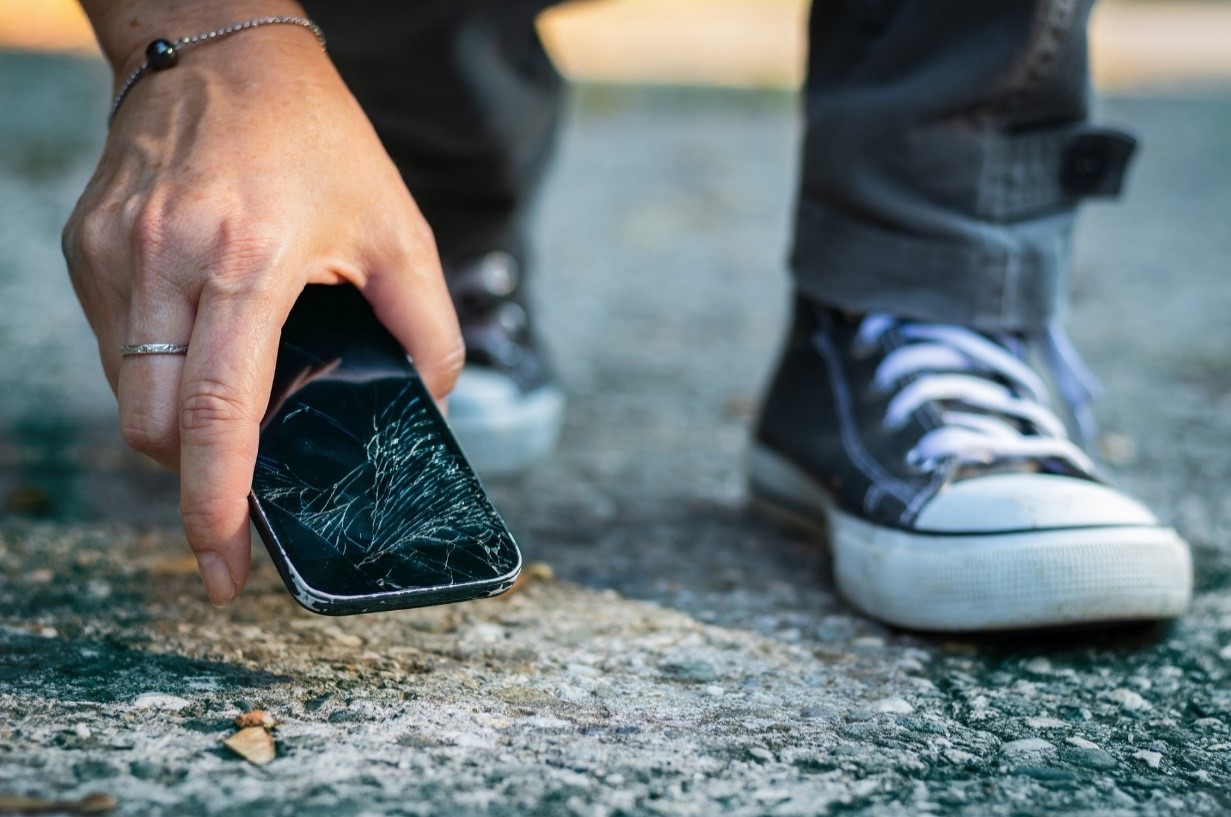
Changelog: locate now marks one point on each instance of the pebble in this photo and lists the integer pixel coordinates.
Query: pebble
(715, 691)
(1027, 746)
(1225, 653)
(1082, 742)
(893, 705)
(156, 700)
(1089, 757)
(1128, 699)
(1045, 723)
(1152, 759)
(1039, 666)
(696, 671)
(346, 639)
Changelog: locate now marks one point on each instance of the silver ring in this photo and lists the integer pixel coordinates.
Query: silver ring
(154, 349)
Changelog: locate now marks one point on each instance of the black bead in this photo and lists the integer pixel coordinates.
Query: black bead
(161, 54)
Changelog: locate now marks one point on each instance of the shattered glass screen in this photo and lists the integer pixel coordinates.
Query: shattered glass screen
(358, 479)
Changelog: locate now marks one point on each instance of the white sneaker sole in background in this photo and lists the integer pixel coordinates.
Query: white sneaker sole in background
(971, 581)
(503, 430)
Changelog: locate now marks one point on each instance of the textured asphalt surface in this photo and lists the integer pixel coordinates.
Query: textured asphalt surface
(686, 658)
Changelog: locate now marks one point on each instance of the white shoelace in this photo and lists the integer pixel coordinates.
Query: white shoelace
(983, 421)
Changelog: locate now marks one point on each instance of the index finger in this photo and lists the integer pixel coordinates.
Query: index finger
(228, 374)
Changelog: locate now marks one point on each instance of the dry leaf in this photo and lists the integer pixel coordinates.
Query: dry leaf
(257, 717)
(254, 744)
(533, 573)
(541, 572)
(176, 566)
(96, 803)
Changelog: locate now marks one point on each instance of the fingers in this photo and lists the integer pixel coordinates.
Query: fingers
(148, 386)
(413, 304)
(227, 376)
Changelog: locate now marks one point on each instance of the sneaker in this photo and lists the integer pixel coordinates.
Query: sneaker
(506, 409)
(951, 496)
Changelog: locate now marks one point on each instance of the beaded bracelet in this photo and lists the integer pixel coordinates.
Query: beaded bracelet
(162, 54)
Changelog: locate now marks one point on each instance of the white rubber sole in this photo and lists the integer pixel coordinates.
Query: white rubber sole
(974, 582)
(508, 441)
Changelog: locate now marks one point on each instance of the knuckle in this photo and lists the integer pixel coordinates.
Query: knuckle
(94, 236)
(210, 406)
(202, 517)
(448, 366)
(149, 229)
(244, 247)
(146, 435)
(454, 359)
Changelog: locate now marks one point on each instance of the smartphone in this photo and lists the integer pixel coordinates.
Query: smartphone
(361, 494)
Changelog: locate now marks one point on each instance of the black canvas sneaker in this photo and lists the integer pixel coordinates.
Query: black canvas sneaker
(951, 496)
(506, 409)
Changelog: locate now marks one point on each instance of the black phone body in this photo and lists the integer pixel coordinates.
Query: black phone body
(361, 493)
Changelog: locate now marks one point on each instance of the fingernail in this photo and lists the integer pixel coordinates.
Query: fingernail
(217, 579)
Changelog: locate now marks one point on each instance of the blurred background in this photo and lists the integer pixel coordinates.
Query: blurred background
(755, 43)
(661, 283)
(672, 193)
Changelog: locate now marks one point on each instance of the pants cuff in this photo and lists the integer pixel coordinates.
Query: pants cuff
(1012, 279)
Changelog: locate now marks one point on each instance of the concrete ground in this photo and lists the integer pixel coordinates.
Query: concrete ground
(678, 656)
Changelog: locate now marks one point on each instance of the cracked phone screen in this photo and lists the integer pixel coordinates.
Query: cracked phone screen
(362, 485)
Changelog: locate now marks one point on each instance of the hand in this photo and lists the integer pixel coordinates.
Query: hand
(226, 185)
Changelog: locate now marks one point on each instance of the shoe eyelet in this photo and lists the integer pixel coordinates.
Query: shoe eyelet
(512, 317)
(918, 466)
(499, 274)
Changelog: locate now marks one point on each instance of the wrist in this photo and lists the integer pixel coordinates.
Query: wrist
(125, 28)
(163, 54)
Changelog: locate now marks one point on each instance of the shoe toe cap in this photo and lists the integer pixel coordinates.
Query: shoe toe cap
(1021, 502)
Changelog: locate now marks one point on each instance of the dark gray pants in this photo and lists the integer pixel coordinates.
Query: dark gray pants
(946, 148)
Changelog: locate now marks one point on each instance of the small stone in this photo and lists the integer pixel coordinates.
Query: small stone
(1044, 722)
(1152, 759)
(1128, 699)
(696, 671)
(893, 705)
(1082, 742)
(346, 639)
(253, 744)
(715, 691)
(1027, 746)
(82, 731)
(1225, 653)
(1088, 757)
(156, 700)
(256, 717)
(1039, 666)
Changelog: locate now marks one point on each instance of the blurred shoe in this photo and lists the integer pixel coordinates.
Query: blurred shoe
(506, 409)
(951, 496)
